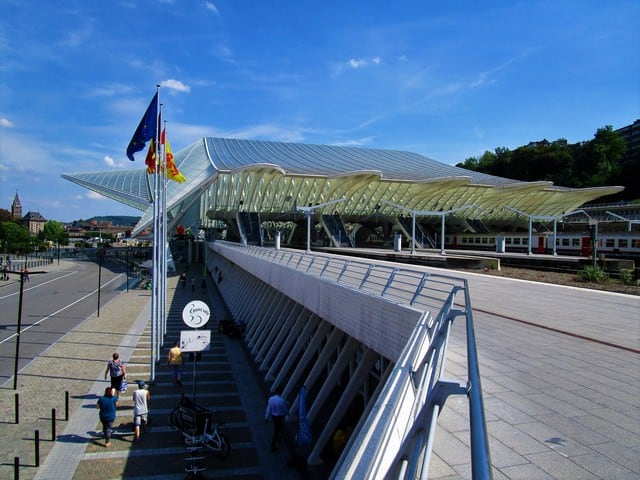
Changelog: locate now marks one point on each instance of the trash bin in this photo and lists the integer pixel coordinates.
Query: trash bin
(500, 244)
(397, 242)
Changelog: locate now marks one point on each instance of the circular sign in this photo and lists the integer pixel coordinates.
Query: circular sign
(195, 314)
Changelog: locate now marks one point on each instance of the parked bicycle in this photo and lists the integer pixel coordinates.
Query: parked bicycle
(196, 424)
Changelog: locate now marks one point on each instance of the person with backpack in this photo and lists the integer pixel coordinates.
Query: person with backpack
(118, 372)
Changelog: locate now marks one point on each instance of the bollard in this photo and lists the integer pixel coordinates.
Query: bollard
(53, 424)
(66, 405)
(17, 408)
(37, 447)
(16, 468)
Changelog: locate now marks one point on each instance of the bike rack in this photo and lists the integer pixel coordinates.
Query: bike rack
(195, 423)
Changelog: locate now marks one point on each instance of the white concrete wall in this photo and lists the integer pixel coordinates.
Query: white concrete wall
(379, 324)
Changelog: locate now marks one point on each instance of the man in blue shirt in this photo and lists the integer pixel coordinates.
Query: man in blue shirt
(277, 409)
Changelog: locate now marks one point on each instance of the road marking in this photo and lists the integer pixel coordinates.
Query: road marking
(39, 285)
(60, 310)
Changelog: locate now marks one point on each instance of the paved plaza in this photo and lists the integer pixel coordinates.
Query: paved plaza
(560, 371)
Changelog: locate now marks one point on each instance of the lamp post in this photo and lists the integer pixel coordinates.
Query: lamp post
(19, 327)
(430, 213)
(308, 211)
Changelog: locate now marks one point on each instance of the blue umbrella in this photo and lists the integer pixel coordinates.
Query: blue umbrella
(304, 431)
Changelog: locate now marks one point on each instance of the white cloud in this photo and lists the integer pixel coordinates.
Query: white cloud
(5, 122)
(211, 7)
(115, 89)
(357, 63)
(96, 196)
(354, 142)
(175, 85)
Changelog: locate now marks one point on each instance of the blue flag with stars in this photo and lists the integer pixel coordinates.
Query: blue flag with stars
(147, 129)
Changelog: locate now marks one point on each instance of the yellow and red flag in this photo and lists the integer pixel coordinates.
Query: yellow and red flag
(172, 171)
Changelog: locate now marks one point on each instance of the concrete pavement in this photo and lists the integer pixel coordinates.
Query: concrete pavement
(559, 402)
(76, 364)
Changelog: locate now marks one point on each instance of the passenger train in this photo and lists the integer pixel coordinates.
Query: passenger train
(623, 245)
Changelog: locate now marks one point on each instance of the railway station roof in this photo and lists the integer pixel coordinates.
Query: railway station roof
(274, 178)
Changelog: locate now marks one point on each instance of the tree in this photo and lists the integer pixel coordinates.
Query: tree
(5, 215)
(593, 163)
(15, 237)
(607, 149)
(54, 232)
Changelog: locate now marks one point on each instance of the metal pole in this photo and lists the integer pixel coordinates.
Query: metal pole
(53, 424)
(66, 405)
(413, 233)
(530, 228)
(555, 236)
(309, 212)
(19, 328)
(17, 408)
(194, 375)
(442, 252)
(595, 244)
(127, 268)
(99, 280)
(37, 447)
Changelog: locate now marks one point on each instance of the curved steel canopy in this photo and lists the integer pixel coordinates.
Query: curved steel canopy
(274, 178)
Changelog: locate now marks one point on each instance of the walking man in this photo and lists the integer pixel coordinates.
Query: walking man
(141, 399)
(277, 409)
(174, 361)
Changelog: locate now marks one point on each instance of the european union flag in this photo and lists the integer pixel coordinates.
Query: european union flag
(304, 430)
(147, 129)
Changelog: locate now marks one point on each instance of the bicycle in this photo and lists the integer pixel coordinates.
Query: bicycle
(196, 425)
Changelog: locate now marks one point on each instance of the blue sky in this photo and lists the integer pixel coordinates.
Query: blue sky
(445, 79)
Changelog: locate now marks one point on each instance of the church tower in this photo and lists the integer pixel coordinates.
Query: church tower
(16, 208)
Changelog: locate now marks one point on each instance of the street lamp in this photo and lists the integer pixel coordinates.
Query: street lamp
(442, 216)
(308, 211)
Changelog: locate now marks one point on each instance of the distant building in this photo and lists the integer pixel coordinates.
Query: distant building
(34, 222)
(631, 135)
(16, 208)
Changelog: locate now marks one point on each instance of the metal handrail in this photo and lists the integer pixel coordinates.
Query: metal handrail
(396, 439)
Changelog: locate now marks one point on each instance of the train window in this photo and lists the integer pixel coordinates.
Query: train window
(623, 243)
(565, 242)
(635, 243)
(485, 240)
(525, 241)
(516, 241)
(492, 241)
(508, 240)
(476, 240)
(575, 242)
(610, 242)
(463, 239)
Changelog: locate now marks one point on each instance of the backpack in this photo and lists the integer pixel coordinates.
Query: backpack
(115, 369)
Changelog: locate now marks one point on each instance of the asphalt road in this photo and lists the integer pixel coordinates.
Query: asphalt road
(53, 304)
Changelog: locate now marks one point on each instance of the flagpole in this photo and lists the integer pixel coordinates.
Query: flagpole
(154, 291)
(163, 326)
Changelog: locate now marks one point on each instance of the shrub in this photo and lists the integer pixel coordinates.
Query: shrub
(593, 274)
(626, 276)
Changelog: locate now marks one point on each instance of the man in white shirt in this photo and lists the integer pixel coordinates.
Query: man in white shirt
(140, 408)
(277, 409)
